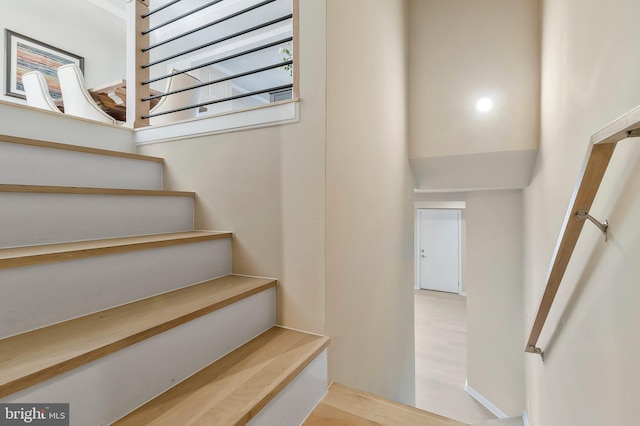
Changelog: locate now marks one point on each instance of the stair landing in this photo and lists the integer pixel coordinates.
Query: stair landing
(346, 406)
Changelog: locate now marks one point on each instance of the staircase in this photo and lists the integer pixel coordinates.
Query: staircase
(113, 303)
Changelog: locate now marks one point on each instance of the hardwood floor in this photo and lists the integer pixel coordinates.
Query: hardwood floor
(441, 357)
(347, 406)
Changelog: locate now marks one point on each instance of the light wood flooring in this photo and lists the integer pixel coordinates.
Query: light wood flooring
(346, 406)
(441, 357)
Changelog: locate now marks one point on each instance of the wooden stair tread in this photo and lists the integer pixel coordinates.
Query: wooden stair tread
(33, 255)
(76, 148)
(343, 405)
(44, 189)
(35, 356)
(233, 389)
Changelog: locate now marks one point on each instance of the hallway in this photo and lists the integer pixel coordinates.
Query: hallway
(441, 357)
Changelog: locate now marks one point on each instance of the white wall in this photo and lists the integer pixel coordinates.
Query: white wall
(590, 372)
(76, 26)
(369, 221)
(325, 197)
(493, 277)
(459, 52)
(268, 187)
(492, 240)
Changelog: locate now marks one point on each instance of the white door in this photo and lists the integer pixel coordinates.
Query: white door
(439, 249)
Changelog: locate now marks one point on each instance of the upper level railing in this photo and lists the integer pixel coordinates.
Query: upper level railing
(196, 58)
(601, 148)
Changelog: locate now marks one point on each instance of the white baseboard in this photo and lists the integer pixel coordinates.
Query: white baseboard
(525, 419)
(484, 402)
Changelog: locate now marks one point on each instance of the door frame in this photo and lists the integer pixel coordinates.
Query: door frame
(442, 205)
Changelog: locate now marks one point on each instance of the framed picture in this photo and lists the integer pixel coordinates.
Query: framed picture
(24, 54)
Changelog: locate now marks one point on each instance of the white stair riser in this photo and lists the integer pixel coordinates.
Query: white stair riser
(32, 165)
(106, 389)
(39, 124)
(36, 296)
(32, 219)
(295, 402)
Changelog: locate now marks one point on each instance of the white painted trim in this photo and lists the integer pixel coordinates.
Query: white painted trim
(417, 256)
(484, 401)
(254, 276)
(460, 286)
(455, 205)
(228, 231)
(284, 112)
(300, 331)
(525, 418)
(438, 191)
(416, 249)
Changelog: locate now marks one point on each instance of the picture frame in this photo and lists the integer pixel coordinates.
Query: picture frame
(24, 54)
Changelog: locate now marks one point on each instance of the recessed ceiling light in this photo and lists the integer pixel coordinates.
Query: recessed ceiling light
(484, 104)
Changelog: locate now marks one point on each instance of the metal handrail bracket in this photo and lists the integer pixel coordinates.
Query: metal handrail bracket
(603, 227)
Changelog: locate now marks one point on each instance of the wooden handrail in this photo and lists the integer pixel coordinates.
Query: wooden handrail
(601, 148)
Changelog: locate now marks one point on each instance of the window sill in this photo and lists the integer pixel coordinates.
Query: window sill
(275, 114)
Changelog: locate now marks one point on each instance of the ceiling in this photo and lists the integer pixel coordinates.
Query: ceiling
(117, 8)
